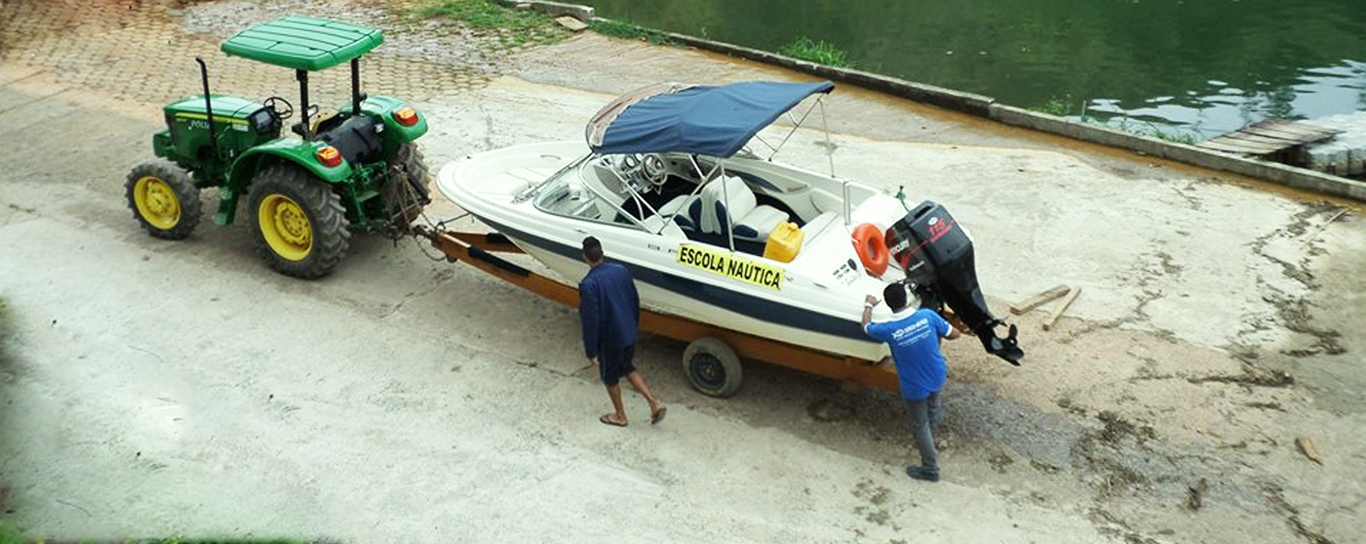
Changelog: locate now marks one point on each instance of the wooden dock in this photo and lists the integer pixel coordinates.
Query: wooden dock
(1268, 137)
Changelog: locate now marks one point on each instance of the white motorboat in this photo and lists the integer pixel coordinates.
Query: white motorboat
(668, 181)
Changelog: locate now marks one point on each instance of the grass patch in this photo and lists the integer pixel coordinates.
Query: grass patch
(1056, 106)
(1147, 128)
(630, 31)
(7, 535)
(514, 26)
(819, 52)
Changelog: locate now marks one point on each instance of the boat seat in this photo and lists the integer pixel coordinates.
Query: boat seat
(686, 211)
(729, 204)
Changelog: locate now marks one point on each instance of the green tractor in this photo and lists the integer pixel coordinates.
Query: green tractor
(358, 169)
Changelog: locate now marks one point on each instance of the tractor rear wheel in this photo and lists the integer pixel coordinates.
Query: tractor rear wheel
(299, 224)
(164, 199)
(407, 190)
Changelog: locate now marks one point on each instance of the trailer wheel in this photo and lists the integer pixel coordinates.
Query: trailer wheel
(164, 199)
(300, 224)
(712, 367)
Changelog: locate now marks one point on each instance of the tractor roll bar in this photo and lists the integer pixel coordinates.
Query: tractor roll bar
(302, 76)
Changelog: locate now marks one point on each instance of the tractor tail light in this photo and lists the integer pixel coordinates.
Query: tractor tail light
(406, 117)
(329, 156)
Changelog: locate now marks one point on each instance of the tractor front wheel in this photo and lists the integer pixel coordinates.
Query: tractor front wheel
(300, 225)
(164, 199)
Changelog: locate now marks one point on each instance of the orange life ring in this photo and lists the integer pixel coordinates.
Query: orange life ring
(871, 248)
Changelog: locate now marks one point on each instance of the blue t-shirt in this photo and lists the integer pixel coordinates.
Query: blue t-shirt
(914, 339)
(609, 308)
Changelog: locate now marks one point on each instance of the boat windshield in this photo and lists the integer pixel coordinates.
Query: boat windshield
(643, 190)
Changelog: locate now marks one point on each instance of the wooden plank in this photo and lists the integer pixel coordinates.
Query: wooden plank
(1248, 137)
(1038, 300)
(1267, 137)
(1294, 128)
(1288, 133)
(1262, 137)
(1071, 296)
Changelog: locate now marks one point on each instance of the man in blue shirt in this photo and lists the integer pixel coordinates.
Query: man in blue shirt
(914, 338)
(609, 309)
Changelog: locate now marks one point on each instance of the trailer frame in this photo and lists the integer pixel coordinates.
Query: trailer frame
(477, 250)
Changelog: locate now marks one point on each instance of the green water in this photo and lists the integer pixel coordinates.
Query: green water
(1194, 67)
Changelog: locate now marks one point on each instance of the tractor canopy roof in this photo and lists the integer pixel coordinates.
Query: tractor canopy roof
(303, 43)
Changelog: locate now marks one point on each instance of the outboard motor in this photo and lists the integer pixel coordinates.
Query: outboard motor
(937, 257)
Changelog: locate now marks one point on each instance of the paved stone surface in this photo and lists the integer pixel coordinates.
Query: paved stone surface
(144, 50)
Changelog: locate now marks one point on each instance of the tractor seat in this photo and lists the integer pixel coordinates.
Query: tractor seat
(357, 139)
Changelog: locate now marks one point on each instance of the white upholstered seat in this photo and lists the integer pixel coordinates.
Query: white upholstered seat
(727, 203)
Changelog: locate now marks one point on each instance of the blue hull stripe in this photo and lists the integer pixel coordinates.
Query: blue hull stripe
(757, 308)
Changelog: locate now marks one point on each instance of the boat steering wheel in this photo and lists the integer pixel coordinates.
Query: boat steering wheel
(642, 170)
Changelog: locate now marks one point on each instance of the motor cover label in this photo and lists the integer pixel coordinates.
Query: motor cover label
(725, 263)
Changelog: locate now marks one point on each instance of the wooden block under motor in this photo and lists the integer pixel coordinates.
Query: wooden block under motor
(1071, 296)
(1038, 300)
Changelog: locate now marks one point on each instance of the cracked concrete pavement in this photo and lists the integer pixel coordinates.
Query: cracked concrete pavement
(153, 388)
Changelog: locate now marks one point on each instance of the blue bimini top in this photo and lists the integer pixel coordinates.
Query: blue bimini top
(705, 120)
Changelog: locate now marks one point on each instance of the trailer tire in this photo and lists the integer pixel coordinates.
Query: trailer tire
(712, 367)
(164, 199)
(299, 223)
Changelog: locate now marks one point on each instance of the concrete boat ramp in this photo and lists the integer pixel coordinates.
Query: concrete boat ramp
(154, 389)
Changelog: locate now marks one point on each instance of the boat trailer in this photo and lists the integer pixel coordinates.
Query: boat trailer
(711, 361)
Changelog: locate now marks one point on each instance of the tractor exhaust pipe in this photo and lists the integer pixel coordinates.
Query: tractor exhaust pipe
(208, 105)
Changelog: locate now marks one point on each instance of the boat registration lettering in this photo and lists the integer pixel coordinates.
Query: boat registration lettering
(730, 265)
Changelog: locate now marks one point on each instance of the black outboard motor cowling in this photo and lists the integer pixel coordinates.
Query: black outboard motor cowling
(938, 258)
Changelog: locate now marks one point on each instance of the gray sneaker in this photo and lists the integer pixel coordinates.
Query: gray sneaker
(927, 474)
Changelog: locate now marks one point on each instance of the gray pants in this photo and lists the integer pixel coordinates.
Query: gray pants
(925, 414)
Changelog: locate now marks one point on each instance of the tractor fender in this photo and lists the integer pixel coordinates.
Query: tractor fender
(301, 153)
(383, 109)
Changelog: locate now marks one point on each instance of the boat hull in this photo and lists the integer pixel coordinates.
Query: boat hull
(816, 304)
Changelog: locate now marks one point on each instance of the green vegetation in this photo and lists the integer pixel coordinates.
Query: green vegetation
(1062, 107)
(819, 52)
(7, 535)
(630, 31)
(516, 27)
(1059, 107)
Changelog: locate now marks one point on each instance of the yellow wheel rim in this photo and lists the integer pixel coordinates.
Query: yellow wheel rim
(285, 227)
(156, 202)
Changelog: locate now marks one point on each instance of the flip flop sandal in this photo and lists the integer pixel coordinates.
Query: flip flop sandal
(658, 415)
(606, 419)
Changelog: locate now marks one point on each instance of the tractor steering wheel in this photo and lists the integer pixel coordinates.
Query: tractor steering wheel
(274, 103)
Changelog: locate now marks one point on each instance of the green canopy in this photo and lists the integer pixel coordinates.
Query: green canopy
(303, 43)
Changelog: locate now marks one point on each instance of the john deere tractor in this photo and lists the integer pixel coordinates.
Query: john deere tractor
(357, 169)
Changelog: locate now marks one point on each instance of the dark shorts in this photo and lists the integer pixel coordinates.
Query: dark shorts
(615, 364)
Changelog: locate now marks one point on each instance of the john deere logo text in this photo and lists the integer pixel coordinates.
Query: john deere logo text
(731, 265)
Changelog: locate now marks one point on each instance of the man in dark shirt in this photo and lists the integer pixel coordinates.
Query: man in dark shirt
(609, 308)
(914, 337)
